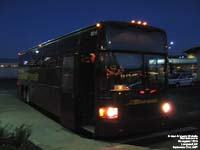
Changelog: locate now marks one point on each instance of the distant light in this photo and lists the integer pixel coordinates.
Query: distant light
(25, 62)
(182, 56)
(144, 23)
(37, 51)
(169, 47)
(171, 43)
(139, 22)
(191, 56)
(98, 25)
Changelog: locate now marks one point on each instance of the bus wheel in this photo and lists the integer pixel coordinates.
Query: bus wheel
(27, 97)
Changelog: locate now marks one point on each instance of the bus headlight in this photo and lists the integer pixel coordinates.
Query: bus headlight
(108, 112)
(166, 107)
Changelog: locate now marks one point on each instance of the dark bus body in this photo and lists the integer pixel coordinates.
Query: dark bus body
(109, 78)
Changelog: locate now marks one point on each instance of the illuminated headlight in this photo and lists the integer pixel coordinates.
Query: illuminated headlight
(166, 107)
(108, 112)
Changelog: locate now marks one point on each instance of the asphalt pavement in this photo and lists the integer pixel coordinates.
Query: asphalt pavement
(185, 121)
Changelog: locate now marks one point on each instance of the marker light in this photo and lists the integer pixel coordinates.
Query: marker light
(144, 23)
(108, 112)
(133, 21)
(139, 22)
(166, 107)
(98, 25)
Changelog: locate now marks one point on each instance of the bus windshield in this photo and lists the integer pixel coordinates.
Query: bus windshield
(135, 39)
(133, 71)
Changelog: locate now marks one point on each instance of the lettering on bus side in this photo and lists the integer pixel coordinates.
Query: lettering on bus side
(24, 75)
(138, 101)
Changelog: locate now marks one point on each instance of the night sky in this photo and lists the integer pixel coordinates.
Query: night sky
(26, 23)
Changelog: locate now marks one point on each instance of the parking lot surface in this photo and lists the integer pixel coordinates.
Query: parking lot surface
(49, 135)
(46, 133)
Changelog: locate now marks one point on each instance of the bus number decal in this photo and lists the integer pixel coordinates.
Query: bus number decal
(93, 33)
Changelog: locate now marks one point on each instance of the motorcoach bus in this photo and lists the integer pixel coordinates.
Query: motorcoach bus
(109, 78)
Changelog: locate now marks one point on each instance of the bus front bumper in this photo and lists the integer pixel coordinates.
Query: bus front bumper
(115, 128)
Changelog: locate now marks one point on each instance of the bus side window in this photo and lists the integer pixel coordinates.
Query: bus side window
(88, 43)
(71, 43)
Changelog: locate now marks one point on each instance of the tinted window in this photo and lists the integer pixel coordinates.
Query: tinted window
(88, 41)
(136, 39)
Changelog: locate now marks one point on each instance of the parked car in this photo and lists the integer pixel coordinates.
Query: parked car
(181, 79)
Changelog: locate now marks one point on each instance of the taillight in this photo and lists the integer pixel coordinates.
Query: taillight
(142, 91)
(108, 112)
(152, 91)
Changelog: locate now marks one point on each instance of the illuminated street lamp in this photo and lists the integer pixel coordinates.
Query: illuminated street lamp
(170, 45)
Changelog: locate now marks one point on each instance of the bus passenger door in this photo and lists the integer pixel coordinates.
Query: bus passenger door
(86, 90)
(67, 105)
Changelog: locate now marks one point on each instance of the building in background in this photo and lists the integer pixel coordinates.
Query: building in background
(8, 68)
(194, 53)
(182, 63)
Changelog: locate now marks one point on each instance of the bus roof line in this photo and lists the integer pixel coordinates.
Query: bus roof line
(59, 38)
(85, 29)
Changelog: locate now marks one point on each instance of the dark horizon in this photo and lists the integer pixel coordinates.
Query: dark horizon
(29, 23)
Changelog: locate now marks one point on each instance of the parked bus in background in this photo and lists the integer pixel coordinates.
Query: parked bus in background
(105, 78)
